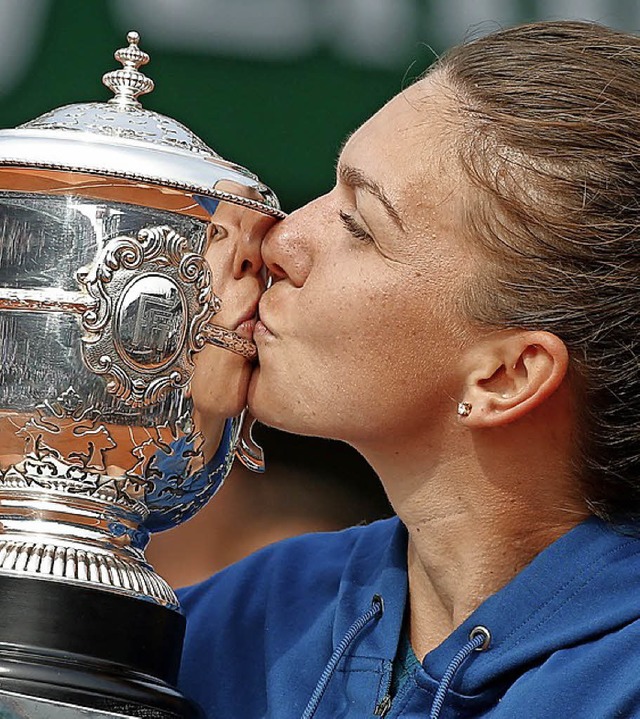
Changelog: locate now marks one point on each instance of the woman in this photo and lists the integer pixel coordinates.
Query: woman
(234, 236)
(463, 309)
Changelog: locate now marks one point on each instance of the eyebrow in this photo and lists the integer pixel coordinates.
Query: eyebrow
(357, 179)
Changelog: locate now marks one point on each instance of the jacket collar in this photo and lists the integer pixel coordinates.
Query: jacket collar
(377, 565)
(583, 585)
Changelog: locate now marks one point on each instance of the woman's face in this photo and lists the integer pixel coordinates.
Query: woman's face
(221, 378)
(359, 335)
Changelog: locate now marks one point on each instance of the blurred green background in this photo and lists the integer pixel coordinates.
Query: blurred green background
(275, 85)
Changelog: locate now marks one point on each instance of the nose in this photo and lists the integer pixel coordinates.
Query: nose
(287, 247)
(247, 259)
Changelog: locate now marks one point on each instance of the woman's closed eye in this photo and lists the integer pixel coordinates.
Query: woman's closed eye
(355, 229)
(216, 232)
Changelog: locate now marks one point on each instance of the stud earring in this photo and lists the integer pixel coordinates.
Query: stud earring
(464, 409)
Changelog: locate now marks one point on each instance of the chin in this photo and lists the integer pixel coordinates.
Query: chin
(223, 393)
(256, 403)
(262, 404)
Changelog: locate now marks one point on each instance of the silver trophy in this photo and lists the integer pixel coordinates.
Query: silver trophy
(117, 366)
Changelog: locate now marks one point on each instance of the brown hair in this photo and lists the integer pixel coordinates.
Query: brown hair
(550, 140)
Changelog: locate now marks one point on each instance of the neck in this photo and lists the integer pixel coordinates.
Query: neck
(474, 522)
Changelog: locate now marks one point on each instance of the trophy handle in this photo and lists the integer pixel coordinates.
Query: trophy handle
(229, 340)
(248, 451)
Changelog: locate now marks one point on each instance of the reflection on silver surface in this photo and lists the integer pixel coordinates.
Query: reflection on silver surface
(17, 706)
(150, 322)
(88, 467)
(112, 297)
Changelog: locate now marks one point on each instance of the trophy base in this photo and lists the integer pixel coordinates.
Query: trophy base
(70, 651)
(15, 706)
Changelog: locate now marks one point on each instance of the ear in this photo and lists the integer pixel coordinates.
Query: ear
(511, 373)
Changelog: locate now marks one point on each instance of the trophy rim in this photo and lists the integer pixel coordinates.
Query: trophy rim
(167, 168)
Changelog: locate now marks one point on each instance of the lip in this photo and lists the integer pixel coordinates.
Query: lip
(261, 332)
(246, 328)
(245, 325)
(262, 328)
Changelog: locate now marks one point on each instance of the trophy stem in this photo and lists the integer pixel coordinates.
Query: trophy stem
(62, 534)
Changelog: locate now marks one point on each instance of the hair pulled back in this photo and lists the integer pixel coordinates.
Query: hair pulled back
(549, 115)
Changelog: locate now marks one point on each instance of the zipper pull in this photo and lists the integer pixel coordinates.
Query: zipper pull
(383, 707)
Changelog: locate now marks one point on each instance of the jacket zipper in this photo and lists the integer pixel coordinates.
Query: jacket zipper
(383, 707)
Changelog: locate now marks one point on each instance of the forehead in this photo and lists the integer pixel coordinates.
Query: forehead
(407, 146)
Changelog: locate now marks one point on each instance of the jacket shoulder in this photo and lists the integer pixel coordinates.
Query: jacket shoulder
(308, 562)
(259, 617)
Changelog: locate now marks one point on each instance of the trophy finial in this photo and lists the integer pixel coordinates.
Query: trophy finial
(128, 82)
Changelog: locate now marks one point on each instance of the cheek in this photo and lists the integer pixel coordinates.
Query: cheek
(376, 323)
(219, 384)
(219, 257)
(360, 361)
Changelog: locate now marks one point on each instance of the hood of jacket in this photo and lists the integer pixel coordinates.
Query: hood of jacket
(584, 585)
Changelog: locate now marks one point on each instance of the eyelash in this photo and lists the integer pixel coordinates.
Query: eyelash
(216, 233)
(354, 228)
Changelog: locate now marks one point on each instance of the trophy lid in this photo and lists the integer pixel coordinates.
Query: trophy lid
(120, 139)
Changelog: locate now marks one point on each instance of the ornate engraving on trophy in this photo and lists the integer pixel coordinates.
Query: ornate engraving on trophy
(68, 414)
(153, 297)
(229, 340)
(150, 322)
(93, 510)
(65, 450)
(113, 122)
(180, 477)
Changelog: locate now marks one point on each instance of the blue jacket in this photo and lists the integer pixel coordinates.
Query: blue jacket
(298, 630)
